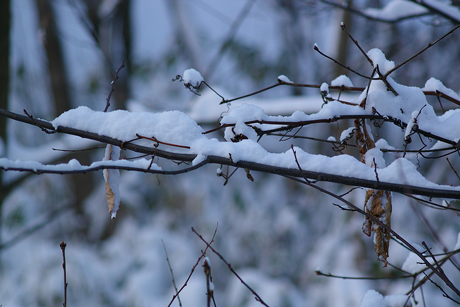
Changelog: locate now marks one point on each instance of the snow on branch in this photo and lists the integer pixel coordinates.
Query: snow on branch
(398, 10)
(120, 127)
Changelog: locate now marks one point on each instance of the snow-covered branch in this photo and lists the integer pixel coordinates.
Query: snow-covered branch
(399, 10)
(247, 154)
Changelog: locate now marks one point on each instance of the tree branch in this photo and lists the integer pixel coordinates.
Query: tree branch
(212, 159)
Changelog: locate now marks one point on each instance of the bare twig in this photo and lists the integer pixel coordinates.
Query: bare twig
(154, 139)
(344, 28)
(172, 274)
(342, 65)
(441, 274)
(78, 150)
(209, 284)
(319, 273)
(437, 271)
(338, 88)
(421, 51)
(63, 246)
(285, 137)
(444, 293)
(208, 245)
(375, 171)
(456, 174)
(37, 123)
(203, 254)
(112, 87)
(431, 204)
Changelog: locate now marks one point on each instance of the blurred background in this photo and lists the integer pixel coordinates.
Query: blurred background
(275, 233)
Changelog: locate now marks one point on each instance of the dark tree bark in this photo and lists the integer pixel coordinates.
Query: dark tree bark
(122, 52)
(55, 54)
(5, 19)
(5, 25)
(343, 42)
(60, 87)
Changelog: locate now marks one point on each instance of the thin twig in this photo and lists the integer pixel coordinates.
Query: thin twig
(37, 123)
(298, 165)
(344, 28)
(443, 292)
(203, 254)
(421, 51)
(63, 246)
(215, 92)
(257, 297)
(286, 137)
(319, 273)
(209, 287)
(331, 87)
(154, 139)
(442, 275)
(438, 272)
(342, 65)
(78, 150)
(375, 171)
(112, 87)
(456, 174)
(438, 97)
(172, 274)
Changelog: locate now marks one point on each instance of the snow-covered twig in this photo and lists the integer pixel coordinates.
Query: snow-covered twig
(441, 8)
(222, 160)
(315, 47)
(436, 93)
(366, 14)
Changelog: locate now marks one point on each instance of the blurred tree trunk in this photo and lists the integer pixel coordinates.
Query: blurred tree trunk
(55, 54)
(60, 86)
(111, 29)
(185, 34)
(5, 25)
(294, 41)
(121, 41)
(343, 42)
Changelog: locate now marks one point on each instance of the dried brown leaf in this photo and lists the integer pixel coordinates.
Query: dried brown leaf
(111, 178)
(248, 175)
(376, 203)
(110, 196)
(381, 209)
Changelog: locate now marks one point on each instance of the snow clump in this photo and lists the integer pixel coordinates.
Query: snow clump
(192, 78)
(342, 80)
